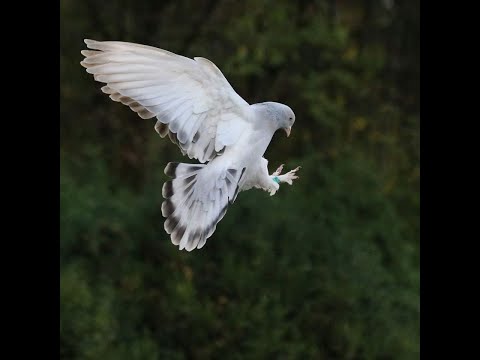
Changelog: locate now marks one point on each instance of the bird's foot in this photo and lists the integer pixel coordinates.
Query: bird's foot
(288, 177)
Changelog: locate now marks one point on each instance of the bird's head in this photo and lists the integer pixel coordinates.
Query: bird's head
(281, 114)
(287, 121)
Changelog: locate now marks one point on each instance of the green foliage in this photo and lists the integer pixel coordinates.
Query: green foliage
(327, 268)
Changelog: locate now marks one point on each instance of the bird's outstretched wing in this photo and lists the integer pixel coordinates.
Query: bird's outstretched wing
(193, 102)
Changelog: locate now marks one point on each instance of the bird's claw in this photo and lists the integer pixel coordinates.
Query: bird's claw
(289, 176)
(278, 171)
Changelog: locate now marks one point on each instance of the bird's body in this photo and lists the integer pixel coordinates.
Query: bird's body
(198, 109)
(249, 149)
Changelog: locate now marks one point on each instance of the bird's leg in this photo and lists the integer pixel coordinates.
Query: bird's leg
(285, 178)
(271, 183)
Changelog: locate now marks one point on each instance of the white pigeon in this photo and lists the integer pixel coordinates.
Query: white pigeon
(200, 112)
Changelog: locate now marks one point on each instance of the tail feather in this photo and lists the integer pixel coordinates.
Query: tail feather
(196, 199)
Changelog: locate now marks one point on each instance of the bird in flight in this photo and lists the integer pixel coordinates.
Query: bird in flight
(196, 107)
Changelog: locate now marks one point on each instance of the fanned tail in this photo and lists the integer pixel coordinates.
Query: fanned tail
(196, 199)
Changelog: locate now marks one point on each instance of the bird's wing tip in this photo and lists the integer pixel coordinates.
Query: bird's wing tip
(89, 42)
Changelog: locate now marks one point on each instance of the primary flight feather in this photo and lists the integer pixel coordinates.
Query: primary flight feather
(198, 109)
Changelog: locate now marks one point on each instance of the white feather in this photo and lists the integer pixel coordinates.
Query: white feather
(179, 91)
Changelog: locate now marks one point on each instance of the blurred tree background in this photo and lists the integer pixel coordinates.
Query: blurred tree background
(327, 268)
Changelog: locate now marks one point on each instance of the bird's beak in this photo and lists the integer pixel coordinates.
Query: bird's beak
(287, 130)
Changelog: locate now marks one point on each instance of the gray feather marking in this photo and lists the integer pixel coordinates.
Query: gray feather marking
(170, 224)
(195, 137)
(241, 175)
(161, 129)
(189, 179)
(167, 190)
(170, 169)
(173, 137)
(178, 234)
(167, 208)
(237, 189)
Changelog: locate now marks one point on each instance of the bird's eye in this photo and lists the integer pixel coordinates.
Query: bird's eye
(290, 118)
